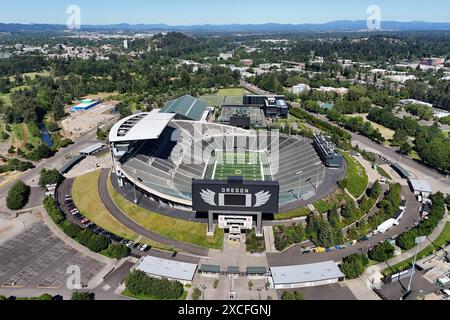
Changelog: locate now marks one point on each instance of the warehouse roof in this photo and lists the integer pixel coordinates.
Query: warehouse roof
(142, 126)
(209, 268)
(306, 273)
(420, 186)
(186, 106)
(167, 268)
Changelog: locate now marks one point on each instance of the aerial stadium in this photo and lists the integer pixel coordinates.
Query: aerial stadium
(180, 162)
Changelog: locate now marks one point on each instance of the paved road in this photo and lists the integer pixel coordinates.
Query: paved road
(293, 255)
(122, 218)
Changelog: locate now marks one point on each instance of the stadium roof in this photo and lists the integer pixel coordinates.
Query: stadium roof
(186, 106)
(167, 268)
(142, 126)
(306, 273)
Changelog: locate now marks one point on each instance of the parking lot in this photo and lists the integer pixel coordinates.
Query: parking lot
(38, 259)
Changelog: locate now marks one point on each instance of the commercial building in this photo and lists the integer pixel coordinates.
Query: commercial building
(300, 88)
(170, 269)
(273, 106)
(401, 171)
(309, 275)
(327, 152)
(242, 116)
(420, 187)
(432, 61)
(85, 104)
(187, 108)
(406, 102)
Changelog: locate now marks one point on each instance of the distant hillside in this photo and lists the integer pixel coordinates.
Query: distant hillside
(267, 27)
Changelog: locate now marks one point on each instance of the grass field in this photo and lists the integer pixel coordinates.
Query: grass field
(387, 133)
(356, 176)
(245, 164)
(383, 173)
(176, 229)
(217, 101)
(441, 241)
(231, 92)
(296, 213)
(87, 199)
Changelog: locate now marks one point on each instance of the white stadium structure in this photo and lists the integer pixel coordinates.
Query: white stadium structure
(161, 156)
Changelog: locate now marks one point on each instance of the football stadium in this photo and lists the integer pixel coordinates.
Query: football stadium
(161, 160)
(214, 168)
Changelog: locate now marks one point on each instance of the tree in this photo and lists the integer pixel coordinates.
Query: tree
(382, 252)
(292, 295)
(196, 293)
(353, 266)
(82, 295)
(18, 196)
(50, 177)
(405, 148)
(117, 251)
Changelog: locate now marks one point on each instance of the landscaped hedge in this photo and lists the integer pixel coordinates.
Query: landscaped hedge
(139, 283)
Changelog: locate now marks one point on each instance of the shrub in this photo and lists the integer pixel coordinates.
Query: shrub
(117, 251)
(382, 252)
(18, 196)
(196, 294)
(353, 266)
(140, 284)
(53, 211)
(70, 229)
(295, 295)
(81, 295)
(50, 177)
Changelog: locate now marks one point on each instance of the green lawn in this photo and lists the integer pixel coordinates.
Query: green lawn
(383, 173)
(144, 297)
(87, 199)
(299, 212)
(176, 229)
(356, 177)
(231, 92)
(440, 242)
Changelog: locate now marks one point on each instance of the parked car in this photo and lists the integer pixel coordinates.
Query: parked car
(143, 247)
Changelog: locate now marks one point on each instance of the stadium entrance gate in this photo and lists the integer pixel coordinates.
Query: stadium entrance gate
(235, 201)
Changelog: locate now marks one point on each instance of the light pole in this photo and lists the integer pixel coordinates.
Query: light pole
(317, 176)
(299, 183)
(24, 226)
(203, 291)
(418, 241)
(135, 197)
(259, 292)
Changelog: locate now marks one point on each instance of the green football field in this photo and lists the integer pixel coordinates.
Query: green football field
(231, 164)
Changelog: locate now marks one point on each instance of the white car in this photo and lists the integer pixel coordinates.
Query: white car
(143, 247)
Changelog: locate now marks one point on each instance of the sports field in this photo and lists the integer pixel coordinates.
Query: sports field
(230, 164)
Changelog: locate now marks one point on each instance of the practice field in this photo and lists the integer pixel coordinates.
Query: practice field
(230, 164)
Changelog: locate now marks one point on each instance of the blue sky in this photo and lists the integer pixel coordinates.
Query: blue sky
(189, 12)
